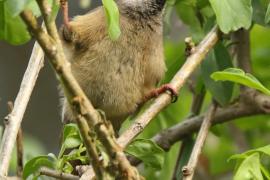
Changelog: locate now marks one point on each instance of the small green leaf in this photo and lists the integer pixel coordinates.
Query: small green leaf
(71, 138)
(32, 166)
(72, 142)
(239, 76)
(267, 15)
(249, 168)
(232, 14)
(112, 16)
(147, 151)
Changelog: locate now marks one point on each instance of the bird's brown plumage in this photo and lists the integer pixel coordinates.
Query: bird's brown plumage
(116, 75)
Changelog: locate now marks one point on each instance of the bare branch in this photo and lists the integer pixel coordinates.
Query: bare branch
(177, 82)
(164, 99)
(15, 117)
(56, 174)
(243, 49)
(189, 169)
(254, 106)
(81, 106)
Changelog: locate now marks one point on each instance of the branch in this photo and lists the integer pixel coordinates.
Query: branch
(177, 82)
(164, 99)
(15, 117)
(81, 106)
(257, 104)
(188, 170)
(57, 174)
(243, 49)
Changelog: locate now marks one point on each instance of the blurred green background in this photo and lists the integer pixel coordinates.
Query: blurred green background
(42, 125)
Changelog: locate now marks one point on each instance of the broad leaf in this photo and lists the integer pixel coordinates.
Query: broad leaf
(12, 29)
(217, 60)
(267, 15)
(16, 6)
(259, 10)
(32, 167)
(188, 14)
(232, 14)
(147, 151)
(239, 76)
(249, 168)
(112, 16)
(265, 172)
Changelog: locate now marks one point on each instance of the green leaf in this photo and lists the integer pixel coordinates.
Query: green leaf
(12, 29)
(16, 6)
(218, 59)
(259, 10)
(71, 138)
(70, 130)
(112, 16)
(249, 168)
(188, 14)
(147, 151)
(33, 166)
(265, 172)
(267, 15)
(239, 76)
(232, 14)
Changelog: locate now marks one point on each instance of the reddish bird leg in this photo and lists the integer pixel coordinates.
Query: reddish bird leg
(64, 7)
(166, 87)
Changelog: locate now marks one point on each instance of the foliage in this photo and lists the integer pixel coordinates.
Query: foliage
(217, 74)
(72, 149)
(249, 165)
(239, 76)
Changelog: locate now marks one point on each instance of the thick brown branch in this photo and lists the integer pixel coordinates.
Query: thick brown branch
(15, 117)
(254, 106)
(242, 39)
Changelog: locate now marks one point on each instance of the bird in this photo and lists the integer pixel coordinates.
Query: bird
(118, 76)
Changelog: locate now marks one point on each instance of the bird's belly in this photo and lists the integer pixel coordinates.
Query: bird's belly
(113, 87)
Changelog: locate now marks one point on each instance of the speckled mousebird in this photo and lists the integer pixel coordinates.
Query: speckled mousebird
(117, 76)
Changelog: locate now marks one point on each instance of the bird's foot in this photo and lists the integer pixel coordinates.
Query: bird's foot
(164, 88)
(64, 7)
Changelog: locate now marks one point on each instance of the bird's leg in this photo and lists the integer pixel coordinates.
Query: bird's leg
(66, 29)
(64, 7)
(164, 88)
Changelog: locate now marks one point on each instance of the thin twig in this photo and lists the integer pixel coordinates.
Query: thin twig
(19, 145)
(189, 169)
(256, 105)
(188, 142)
(15, 117)
(81, 106)
(164, 99)
(177, 82)
(57, 174)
